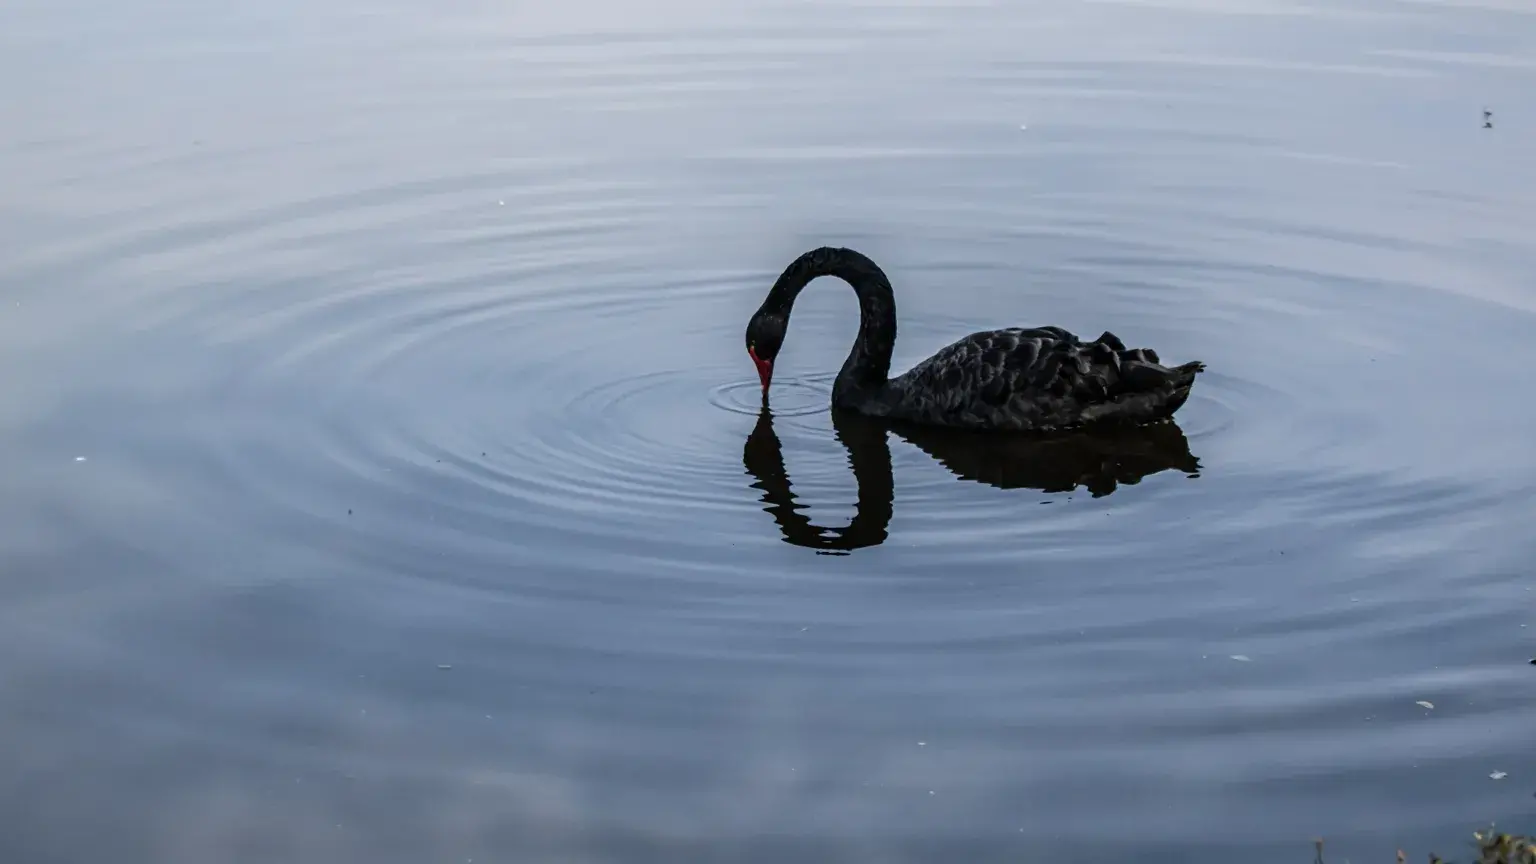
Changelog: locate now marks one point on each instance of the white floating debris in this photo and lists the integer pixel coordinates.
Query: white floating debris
(922, 743)
(444, 666)
(79, 458)
(501, 203)
(1424, 703)
(1242, 658)
(1498, 775)
(1023, 126)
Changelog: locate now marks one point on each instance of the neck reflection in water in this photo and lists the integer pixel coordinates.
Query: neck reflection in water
(1099, 461)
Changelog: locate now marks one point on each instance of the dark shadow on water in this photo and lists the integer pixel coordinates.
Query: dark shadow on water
(1100, 461)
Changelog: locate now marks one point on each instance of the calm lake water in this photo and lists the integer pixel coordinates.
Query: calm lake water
(384, 477)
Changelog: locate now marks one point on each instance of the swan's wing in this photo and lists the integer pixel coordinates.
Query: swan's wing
(991, 366)
(1035, 376)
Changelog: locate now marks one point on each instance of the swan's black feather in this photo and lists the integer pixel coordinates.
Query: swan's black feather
(1038, 378)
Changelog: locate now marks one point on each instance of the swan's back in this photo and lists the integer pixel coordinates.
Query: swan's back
(1040, 378)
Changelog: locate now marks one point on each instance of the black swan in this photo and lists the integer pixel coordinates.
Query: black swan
(1041, 378)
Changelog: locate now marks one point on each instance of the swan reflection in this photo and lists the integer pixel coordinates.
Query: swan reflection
(1099, 461)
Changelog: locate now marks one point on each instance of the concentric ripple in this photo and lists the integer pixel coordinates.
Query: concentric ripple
(386, 481)
(792, 397)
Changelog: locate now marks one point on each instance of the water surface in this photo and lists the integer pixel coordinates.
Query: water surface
(385, 479)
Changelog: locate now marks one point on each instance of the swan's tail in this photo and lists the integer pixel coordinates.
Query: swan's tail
(1140, 370)
(1183, 378)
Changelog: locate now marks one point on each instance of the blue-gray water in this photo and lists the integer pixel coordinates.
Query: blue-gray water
(343, 341)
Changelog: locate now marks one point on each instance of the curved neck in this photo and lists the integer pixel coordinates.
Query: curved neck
(869, 362)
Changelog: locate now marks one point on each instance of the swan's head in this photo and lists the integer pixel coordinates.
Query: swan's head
(765, 335)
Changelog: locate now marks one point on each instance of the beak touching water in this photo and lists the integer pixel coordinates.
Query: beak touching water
(764, 368)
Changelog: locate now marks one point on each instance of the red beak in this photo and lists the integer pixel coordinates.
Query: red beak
(764, 368)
